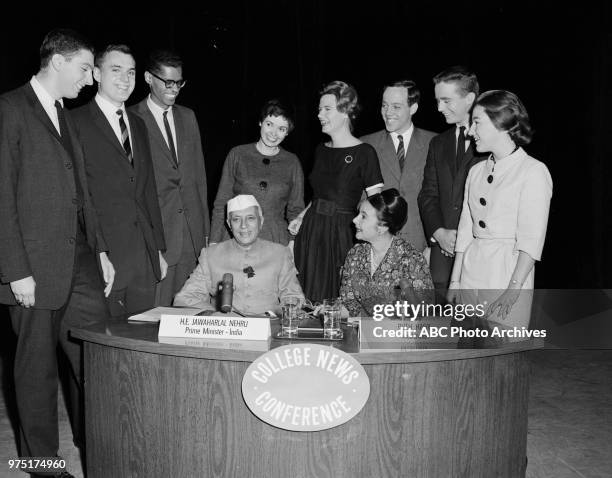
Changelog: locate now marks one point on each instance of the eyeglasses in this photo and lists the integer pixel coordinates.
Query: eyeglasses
(169, 83)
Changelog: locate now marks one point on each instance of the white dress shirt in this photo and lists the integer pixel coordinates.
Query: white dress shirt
(406, 135)
(47, 102)
(110, 111)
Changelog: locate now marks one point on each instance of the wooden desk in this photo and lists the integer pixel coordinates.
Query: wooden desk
(161, 410)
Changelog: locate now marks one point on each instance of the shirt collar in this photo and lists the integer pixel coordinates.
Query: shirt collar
(405, 135)
(156, 109)
(43, 95)
(107, 107)
(459, 126)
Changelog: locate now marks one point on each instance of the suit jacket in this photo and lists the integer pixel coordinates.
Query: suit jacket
(441, 196)
(407, 182)
(38, 210)
(125, 197)
(181, 189)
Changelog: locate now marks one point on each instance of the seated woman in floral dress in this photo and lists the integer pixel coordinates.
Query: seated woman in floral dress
(383, 268)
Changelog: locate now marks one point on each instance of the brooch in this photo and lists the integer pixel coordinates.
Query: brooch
(249, 271)
(348, 159)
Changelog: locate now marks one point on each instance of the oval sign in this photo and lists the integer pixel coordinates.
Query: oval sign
(305, 387)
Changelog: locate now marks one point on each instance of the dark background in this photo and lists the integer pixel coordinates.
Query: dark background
(240, 53)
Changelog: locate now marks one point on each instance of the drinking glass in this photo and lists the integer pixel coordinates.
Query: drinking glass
(290, 318)
(331, 318)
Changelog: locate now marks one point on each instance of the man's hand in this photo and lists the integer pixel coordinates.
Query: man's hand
(23, 289)
(108, 273)
(446, 239)
(163, 265)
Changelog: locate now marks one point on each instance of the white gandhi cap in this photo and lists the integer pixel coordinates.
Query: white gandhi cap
(242, 201)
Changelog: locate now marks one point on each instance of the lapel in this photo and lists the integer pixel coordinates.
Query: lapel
(469, 159)
(135, 134)
(39, 111)
(450, 151)
(389, 155)
(152, 125)
(415, 145)
(104, 126)
(43, 117)
(179, 128)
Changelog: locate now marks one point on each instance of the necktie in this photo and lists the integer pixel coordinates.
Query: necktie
(125, 137)
(460, 148)
(400, 152)
(170, 138)
(66, 143)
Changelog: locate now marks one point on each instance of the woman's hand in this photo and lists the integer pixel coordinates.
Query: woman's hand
(503, 304)
(453, 296)
(294, 226)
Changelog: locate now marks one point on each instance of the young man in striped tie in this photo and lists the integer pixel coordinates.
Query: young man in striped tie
(122, 182)
(402, 150)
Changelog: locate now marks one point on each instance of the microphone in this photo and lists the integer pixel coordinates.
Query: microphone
(227, 292)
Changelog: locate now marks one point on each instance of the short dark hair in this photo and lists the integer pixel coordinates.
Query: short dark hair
(62, 41)
(414, 94)
(275, 107)
(391, 209)
(163, 57)
(464, 78)
(507, 113)
(99, 59)
(347, 100)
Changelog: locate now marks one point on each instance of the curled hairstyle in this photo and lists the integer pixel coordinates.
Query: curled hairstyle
(465, 79)
(63, 42)
(347, 100)
(507, 113)
(414, 94)
(391, 209)
(99, 59)
(163, 57)
(275, 107)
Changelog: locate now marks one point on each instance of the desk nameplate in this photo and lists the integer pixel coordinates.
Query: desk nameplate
(227, 327)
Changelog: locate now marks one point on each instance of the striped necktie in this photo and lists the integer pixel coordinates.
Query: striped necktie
(401, 154)
(125, 137)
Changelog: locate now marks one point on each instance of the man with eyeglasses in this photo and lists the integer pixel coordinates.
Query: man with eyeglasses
(449, 158)
(122, 183)
(180, 174)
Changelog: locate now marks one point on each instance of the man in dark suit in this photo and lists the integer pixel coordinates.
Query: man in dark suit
(450, 157)
(180, 174)
(49, 275)
(122, 182)
(402, 150)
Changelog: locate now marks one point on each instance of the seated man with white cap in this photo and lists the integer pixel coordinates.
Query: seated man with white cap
(263, 272)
